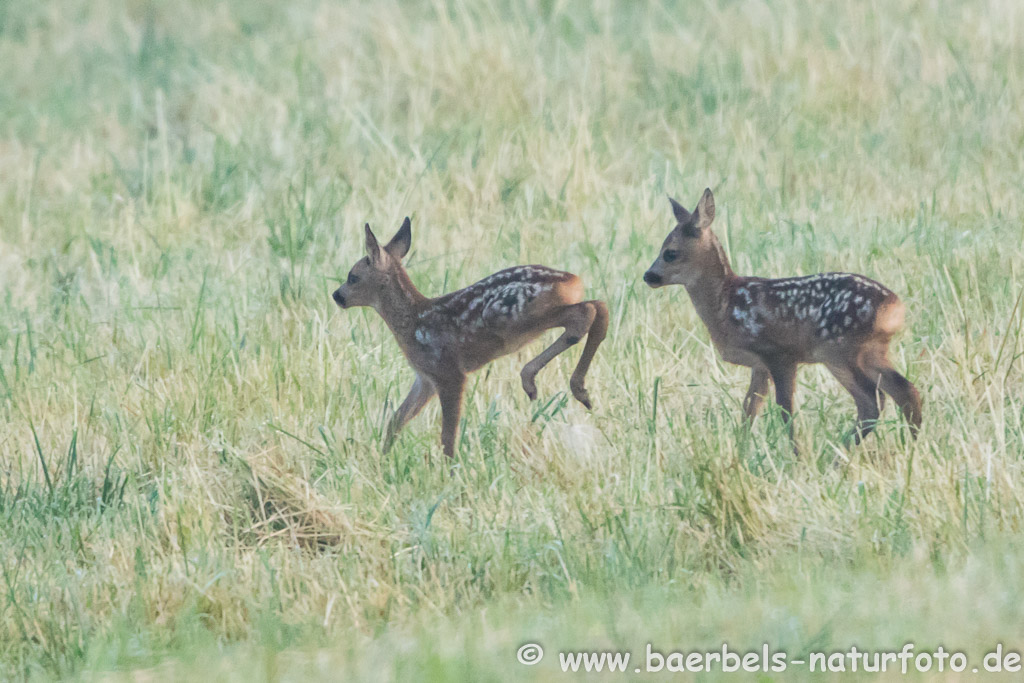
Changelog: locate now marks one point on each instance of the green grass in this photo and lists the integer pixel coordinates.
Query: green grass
(191, 480)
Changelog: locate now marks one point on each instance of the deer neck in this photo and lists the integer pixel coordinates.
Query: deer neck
(708, 290)
(400, 304)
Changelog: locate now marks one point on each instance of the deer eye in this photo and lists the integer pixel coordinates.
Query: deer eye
(670, 255)
(353, 278)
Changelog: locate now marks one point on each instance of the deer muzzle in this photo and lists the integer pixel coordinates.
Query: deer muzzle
(653, 279)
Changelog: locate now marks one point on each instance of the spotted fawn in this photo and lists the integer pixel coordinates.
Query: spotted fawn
(446, 338)
(843, 320)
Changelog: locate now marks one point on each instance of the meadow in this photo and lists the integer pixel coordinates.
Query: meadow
(191, 476)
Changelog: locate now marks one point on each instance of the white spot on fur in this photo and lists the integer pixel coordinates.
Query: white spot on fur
(748, 319)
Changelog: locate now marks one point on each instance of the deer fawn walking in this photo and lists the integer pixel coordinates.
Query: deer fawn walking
(843, 320)
(446, 338)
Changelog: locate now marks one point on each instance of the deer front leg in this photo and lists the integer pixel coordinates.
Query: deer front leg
(577, 320)
(420, 394)
(783, 374)
(449, 392)
(760, 379)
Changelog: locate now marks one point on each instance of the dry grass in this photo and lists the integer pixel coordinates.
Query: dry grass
(285, 506)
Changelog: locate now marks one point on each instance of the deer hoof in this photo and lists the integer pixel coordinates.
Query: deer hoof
(530, 388)
(582, 396)
(852, 438)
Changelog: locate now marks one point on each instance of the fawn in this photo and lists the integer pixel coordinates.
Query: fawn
(843, 320)
(446, 338)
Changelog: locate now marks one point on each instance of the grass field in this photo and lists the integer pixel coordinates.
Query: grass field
(191, 478)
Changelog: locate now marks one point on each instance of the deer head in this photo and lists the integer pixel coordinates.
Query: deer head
(690, 249)
(378, 271)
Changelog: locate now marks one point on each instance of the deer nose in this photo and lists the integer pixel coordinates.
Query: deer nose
(339, 298)
(652, 278)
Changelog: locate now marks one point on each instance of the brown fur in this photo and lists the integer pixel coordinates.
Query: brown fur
(843, 320)
(446, 338)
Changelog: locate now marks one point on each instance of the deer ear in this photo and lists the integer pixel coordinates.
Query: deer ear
(372, 247)
(398, 247)
(682, 215)
(705, 211)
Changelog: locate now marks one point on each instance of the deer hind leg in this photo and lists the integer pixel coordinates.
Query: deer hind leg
(422, 391)
(783, 374)
(760, 382)
(882, 374)
(577, 320)
(864, 393)
(595, 335)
